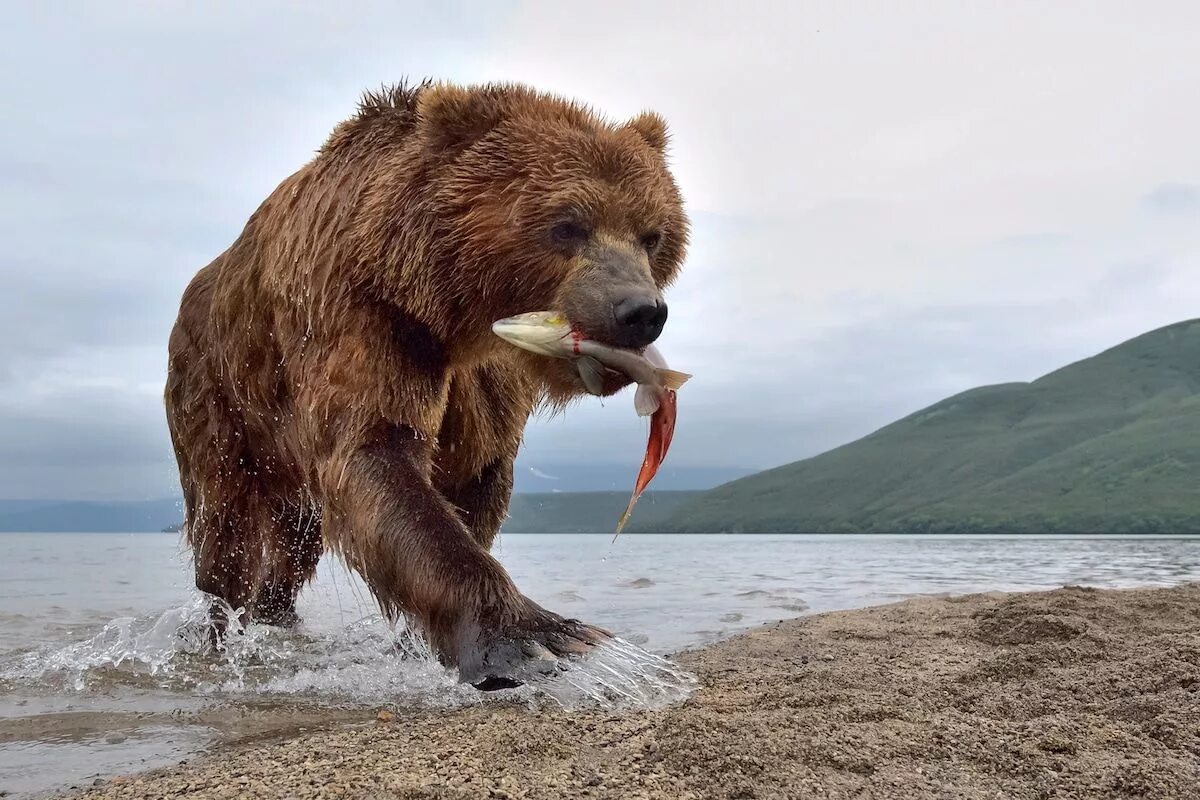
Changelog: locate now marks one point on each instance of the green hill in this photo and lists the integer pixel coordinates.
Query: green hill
(586, 512)
(550, 512)
(92, 516)
(1108, 444)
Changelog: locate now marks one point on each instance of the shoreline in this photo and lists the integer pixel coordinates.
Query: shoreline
(1069, 693)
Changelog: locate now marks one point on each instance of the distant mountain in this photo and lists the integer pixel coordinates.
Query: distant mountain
(61, 516)
(534, 476)
(586, 512)
(560, 498)
(1108, 444)
(551, 512)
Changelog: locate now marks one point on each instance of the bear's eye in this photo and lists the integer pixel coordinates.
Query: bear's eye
(651, 241)
(569, 233)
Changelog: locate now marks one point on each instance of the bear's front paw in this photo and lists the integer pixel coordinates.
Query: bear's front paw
(533, 645)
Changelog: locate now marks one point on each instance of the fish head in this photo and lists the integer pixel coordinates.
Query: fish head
(546, 333)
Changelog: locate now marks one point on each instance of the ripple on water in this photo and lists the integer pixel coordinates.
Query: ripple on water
(26, 766)
(795, 606)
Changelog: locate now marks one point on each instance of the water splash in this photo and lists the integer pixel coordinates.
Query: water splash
(617, 675)
(138, 646)
(365, 662)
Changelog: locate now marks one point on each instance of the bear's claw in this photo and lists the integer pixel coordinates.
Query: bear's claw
(543, 646)
(493, 683)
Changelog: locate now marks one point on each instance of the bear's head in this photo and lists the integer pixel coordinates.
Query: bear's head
(543, 205)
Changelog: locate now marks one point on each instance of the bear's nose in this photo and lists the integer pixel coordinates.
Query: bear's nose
(640, 319)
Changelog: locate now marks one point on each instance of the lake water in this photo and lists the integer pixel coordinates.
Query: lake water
(104, 670)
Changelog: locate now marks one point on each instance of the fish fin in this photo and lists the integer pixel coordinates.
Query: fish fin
(625, 516)
(621, 524)
(652, 355)
(672, 378)
(645, 400)
(591, 373)
(643, 478)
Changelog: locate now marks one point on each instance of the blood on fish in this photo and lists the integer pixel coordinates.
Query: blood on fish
(662, 430)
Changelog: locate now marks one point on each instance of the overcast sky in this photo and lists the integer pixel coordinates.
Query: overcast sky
(889, 207)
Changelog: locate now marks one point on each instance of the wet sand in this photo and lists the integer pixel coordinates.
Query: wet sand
(1071, 693)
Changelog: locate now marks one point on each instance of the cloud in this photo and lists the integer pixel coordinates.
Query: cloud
(888, 207)
(1173, 198)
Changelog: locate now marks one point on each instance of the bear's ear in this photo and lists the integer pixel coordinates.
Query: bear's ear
(652, 128)
(453, 117)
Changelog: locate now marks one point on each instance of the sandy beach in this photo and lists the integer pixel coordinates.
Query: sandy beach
(1070, 693)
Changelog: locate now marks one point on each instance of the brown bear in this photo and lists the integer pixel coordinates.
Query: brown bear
(333, 379)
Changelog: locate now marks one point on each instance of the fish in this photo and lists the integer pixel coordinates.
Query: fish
(551, 334)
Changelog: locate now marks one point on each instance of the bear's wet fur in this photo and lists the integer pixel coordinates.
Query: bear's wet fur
(333, 381)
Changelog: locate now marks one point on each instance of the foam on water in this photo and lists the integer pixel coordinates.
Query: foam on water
(618, 675)
(366, 662)
(135, 645)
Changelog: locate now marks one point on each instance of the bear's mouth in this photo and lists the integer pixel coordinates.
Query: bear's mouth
(629, 324)
(614, 301)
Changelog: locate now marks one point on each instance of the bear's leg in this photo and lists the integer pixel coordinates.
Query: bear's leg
(294, 548)
(221, 500)
(254, 560)
(486, 409)
(414, 552)
(228, 515)
(227, 551)
(483, 502)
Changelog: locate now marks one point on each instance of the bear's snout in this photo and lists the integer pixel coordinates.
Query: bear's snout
(614, 299)
(640, 319)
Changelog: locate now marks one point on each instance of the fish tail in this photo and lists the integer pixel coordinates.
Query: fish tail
(672, 378)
